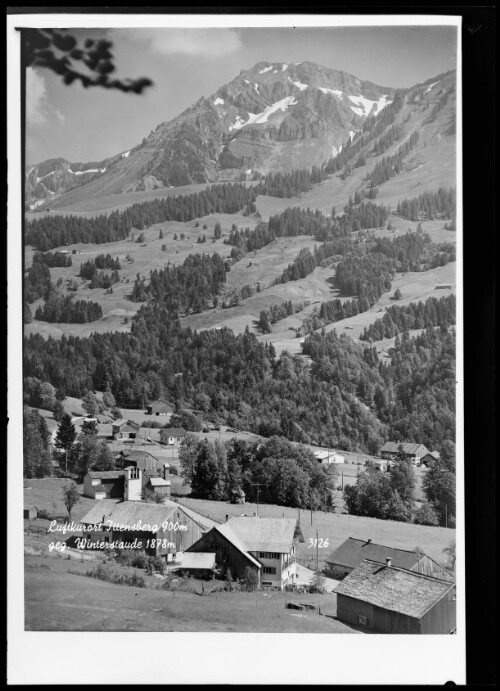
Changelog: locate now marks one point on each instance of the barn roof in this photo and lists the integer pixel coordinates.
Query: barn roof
(136, 455)
(106, 474)
(393, 447)
(122, 421)
(394, 589)
(159, 401)
(352, 552)
(129, 513)
(265, 534)
(203, 521)
(159, 482)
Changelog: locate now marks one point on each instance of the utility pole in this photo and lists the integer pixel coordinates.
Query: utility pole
(446, 516)
(257, 484)
(342, 481)
(311, 515)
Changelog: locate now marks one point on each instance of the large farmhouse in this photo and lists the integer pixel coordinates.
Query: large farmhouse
(414, 452)
(353, 552)
(265, 545)
(159, 529)
(384, 598)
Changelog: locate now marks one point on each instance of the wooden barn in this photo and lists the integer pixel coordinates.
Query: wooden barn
(385, 599)
(159, 407)
(172, 527)
(105, 484)
(138, 458)
(353, 552)
(229, 551)
(125, 429)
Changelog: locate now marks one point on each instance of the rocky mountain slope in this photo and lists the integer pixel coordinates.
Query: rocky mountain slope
(275, 116)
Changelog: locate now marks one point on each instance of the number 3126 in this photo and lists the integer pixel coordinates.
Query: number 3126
(314, 542)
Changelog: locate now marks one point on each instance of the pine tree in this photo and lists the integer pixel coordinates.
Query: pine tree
(66, 435)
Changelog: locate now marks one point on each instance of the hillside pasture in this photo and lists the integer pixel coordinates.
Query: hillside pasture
(56, 600)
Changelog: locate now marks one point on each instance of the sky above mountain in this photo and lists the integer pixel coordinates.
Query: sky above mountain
(91, 124)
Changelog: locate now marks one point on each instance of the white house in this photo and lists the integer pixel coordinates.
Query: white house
(329, 457)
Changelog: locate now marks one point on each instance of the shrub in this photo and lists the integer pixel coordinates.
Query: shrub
(140, 560)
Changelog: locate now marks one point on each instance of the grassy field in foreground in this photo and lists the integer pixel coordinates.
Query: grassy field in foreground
(56, 600)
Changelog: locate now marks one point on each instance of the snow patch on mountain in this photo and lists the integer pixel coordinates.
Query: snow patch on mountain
(246, 81)
(430, 87)
(335, 92)
(256, 86)
(90, 170)
(266, 69)
(284, 67)
(259, 118)
(351, 135)
(364, 106)
(300, 86)
(219, 102)
(45, 176)
(126, 154)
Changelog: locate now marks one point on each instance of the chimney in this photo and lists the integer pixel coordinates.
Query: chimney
(388, 562)
(368, 541)
(255, 513)
(227, 517)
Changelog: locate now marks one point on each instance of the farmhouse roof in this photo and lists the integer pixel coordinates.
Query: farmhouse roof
(393, 447)
(175, 431)
(265, 534)
(105, 474)
(159, 401)
(352, 552)
(203, 521)
(122, 421)
(394, 589)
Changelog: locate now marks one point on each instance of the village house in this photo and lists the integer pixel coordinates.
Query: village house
(353, 552)
(265, 545)
(197, 564)
(384, 598)
(159, 407)
(414, 452)
(158, 529)
(105, 484)
(125, 429)
(173, 436)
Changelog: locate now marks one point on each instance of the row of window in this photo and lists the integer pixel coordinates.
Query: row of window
(269, 569)
(270, 555)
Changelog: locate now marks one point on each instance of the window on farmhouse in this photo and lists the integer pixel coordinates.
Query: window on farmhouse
(362, 620)
(269, 555)
(268, 569)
